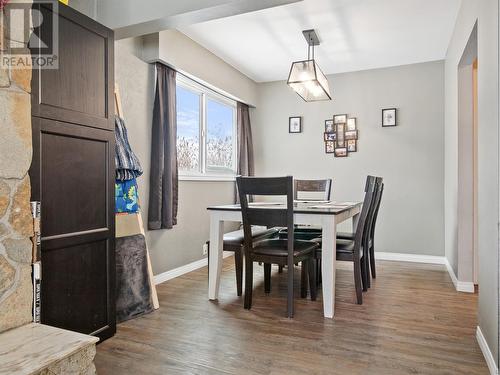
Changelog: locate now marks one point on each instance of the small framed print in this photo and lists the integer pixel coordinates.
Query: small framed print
(295, 124)
(389, 117)
(341, 152)
(329, 147)
(352, 145)
(340, 119)
(330, 136)
(351, 123)
(340, 134)
(329, 126)
(351, 134)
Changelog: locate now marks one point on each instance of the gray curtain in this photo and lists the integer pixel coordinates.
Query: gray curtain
(245, 143)
(246, 165)
(163, 191)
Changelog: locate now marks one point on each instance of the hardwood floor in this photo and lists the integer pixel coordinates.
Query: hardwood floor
(412, 321)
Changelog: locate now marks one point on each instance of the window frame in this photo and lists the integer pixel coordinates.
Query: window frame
(205, 94)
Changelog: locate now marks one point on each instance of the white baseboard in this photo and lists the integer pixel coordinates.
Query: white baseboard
(488, 356)
(460, 286)
(179, 271)
(415, 258)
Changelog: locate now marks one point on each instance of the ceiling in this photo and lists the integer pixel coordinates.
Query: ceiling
(354, 34)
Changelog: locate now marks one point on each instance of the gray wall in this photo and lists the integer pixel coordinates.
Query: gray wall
(409, 156)
(488, 164)
(485, 12)
(183, 244)
(188, 57)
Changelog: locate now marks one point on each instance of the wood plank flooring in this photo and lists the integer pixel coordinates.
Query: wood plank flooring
(412, 322)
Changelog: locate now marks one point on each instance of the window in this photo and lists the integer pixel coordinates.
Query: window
(206, 132)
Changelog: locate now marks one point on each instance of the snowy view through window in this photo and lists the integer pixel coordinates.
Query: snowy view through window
(219, 129)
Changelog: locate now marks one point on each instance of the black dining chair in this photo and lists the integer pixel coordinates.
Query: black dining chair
(233, 241)
(379, 189)
(310, 190)
(273, 251)
(354, 250)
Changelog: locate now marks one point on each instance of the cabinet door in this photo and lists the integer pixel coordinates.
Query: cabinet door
(72, 175)
(80, 90)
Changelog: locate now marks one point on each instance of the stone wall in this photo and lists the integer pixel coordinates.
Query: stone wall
(15, 215)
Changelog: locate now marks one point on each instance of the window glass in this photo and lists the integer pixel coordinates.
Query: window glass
(220, 133)
(188, 129)
(206, 131)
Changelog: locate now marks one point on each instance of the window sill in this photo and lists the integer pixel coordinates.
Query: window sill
(207, 178)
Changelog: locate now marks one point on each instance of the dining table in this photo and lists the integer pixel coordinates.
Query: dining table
(324, 214)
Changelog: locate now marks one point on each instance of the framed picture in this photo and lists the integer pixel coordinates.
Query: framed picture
(295, 124)
(339, 119)
(330, 136)
(351, 134)
(389, 117)
(329, 147)
(341, 152)
(351, 123)
(352, 145)
(329, 126)
(340, 130)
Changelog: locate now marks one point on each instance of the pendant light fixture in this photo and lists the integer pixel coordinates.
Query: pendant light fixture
(306, 78)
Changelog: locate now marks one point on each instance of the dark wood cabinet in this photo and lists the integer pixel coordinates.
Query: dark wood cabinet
(72, 174)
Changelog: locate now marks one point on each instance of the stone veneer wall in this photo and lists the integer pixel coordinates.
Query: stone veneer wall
(15, 214)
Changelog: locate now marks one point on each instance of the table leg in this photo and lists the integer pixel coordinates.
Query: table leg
(328, 264)
(215, 266)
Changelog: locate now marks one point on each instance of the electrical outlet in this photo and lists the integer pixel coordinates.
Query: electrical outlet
(205, 249)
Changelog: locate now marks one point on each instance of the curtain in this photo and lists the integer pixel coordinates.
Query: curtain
(163, 192)
(245, 144)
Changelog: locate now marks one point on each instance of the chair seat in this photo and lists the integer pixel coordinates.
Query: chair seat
(279, 248)
(346, 235)
(343, 246)
(301, 233)
(237, 237)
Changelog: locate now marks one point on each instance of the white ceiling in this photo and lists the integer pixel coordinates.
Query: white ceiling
(354, 34)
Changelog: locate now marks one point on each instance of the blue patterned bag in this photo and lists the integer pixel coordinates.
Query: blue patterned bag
(126, 196)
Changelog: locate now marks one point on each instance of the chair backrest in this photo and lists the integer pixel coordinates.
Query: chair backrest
(363, 222)
(371, 212)
(378, 199)
(267, 216)
(313, 186)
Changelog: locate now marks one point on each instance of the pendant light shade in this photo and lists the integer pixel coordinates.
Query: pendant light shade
(306, 78)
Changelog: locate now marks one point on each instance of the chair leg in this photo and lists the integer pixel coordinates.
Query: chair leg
(238, 263)
(248, 282)
(372, 261)
(364, 275)
(318, 271)
(280, 269)
(312, 278)
(267, 277)
(291, 271)
(303, 280)
(357, 282)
